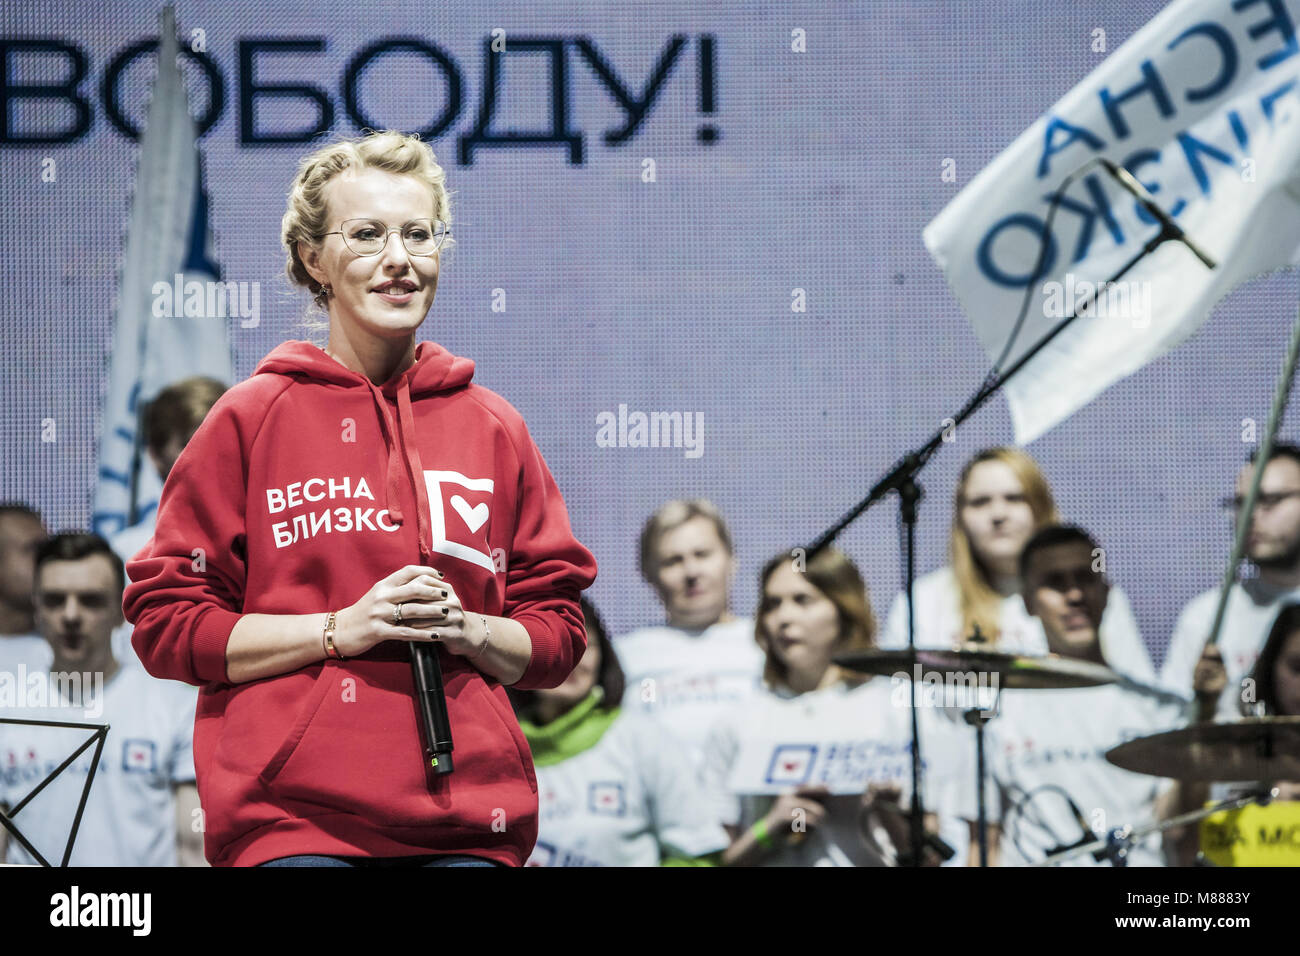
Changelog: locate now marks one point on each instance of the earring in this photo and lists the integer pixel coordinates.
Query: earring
(326, 291)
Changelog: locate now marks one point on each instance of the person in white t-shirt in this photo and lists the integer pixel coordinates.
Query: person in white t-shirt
(169, 422)
(1047, 747)
(613, 788)
(1273, 691)
(790, 773)
(1273, 548)
(685, 672)
(1002, 497)
(142, 808)
(22, 650)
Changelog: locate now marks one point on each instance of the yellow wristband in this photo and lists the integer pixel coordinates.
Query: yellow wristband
(761, 836)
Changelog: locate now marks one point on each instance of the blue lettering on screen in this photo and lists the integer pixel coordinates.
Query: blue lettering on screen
(277, 70)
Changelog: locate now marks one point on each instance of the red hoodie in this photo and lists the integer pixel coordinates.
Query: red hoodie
(304, 486)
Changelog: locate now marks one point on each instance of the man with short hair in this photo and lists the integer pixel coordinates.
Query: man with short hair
(21, 532)
(1047, 747)
(1273, 547)
(704, 659)
(143, 807)
(169, 422)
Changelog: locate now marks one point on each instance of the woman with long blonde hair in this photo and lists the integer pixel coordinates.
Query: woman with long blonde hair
(1002, 498)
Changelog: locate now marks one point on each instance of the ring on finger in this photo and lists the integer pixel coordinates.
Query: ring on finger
(397, 615)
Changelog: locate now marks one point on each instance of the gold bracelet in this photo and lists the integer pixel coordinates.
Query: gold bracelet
(483, 647)
(327, 639)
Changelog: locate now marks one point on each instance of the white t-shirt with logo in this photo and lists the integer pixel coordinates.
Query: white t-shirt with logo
(1252, 608)
(687, 679)
(130, 815)
(866, 738)
(1045, 739)
(629, 800)
(939, 625)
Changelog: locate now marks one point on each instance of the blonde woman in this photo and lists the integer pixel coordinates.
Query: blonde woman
(336, 507)
(1002, 498)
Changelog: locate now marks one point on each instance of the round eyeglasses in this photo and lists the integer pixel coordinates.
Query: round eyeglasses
(368, 237)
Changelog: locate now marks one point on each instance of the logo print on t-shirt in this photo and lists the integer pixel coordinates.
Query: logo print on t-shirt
(606, 798)
(138, 756)
(791, 763)
(458, 510)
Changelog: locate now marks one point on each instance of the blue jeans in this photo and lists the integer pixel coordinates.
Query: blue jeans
(445, 860)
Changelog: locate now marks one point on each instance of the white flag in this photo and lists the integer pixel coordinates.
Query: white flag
(155, 341)
(1202, 105)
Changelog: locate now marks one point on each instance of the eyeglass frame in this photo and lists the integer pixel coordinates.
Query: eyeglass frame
(446, 231)
(1264, 501)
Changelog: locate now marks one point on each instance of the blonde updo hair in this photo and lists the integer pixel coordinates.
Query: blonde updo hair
(308, 215)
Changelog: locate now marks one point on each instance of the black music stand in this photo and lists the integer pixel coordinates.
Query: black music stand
(97, 738)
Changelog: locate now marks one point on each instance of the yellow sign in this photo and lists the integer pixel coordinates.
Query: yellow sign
(1253, 835)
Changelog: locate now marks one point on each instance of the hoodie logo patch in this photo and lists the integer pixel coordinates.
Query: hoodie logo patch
(459, 508)
(473, 517)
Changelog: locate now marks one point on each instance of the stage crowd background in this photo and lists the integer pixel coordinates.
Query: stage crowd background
(781, 161)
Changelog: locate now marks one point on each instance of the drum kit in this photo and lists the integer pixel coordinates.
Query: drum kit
(1262, 750)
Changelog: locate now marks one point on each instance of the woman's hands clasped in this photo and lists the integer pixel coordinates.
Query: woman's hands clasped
(414, 603)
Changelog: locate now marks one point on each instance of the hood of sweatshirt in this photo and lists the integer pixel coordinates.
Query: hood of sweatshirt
(434, 370)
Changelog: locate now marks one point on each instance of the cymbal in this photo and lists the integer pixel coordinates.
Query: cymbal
(1013, 671)
(1254, 748)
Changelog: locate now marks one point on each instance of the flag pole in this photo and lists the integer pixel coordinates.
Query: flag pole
(1281, 395)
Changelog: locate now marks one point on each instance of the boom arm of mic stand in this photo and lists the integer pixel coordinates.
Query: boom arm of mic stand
(911, 464)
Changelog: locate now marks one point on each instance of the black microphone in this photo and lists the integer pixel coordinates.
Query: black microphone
(1129, 182)
(433, 707)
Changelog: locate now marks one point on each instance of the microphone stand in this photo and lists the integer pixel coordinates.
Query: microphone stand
(977, 718)
(902, 479)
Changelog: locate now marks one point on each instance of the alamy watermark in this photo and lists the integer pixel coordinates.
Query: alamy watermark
(653, 430)
(208, 299)
(1127, 299)
(129, 910)
(42, 689)
(955, 689)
